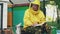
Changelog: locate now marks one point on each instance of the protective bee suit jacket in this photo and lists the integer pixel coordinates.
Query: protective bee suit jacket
(32, 16)
(51, 13)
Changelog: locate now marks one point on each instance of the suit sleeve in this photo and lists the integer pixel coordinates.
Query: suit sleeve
(42, 17)
(27, 21)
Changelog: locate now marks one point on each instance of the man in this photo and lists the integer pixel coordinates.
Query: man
(51, 11)
(34, 16)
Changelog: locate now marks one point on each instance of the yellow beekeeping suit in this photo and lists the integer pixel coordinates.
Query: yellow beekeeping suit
(32, 16)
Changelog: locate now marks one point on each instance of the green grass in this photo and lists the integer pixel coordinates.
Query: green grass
(55, 24)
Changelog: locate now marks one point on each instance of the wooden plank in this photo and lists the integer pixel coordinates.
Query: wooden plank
(9, 19)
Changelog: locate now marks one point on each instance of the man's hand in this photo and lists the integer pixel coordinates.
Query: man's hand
(35, 23)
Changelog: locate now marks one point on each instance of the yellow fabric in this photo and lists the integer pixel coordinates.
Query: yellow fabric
(32, 16)
(36, 2)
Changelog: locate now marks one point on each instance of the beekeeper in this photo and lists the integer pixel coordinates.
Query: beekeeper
(33, 15)
(51, 11)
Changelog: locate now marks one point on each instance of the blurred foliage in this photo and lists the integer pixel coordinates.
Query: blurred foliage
(56, 24)
(58, 3)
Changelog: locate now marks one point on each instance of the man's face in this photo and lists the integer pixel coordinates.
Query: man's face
(35, 7)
